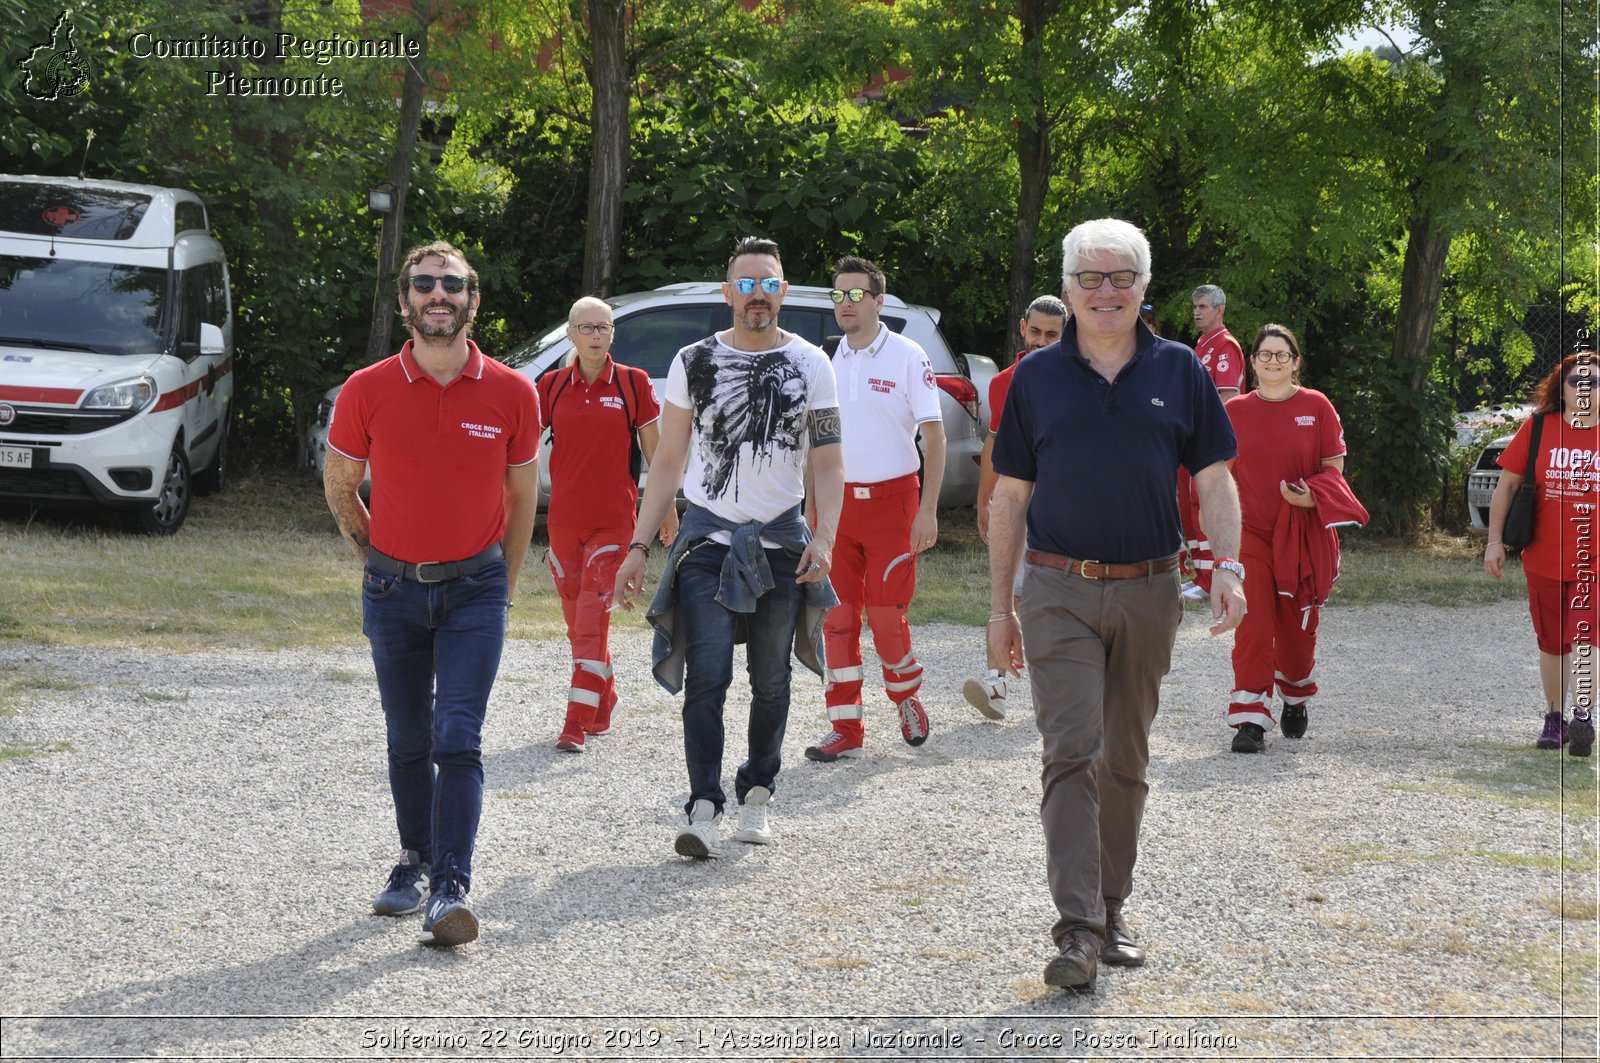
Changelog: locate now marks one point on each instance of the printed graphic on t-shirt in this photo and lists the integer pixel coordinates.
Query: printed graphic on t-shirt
(1573, 472)
(743, 399)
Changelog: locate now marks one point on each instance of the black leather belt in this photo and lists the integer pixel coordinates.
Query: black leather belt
(434, 571)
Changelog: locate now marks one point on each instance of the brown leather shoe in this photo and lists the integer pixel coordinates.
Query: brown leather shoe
(1120, 951)
(1075, 968)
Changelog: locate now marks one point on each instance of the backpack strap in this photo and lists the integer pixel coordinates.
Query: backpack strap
(558, 387)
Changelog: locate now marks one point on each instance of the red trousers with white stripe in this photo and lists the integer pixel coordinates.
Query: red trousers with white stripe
(584, 563)
(873, 570)
(1196, 547)
(1275, 645)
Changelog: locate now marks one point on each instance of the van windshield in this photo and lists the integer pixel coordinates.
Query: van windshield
(60, 304)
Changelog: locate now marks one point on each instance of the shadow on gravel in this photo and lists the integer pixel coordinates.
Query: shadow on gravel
(205, 1008)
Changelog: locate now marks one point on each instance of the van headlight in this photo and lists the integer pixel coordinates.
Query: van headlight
(131, 396)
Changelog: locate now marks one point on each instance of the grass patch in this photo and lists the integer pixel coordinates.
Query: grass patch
(23, 750)
(1576, 905)
(157, 695)
(18, 689)
(1344, 857)
(261, 566)
(1523, 777)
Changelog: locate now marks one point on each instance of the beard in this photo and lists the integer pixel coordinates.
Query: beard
(751, 323)
(418, 321)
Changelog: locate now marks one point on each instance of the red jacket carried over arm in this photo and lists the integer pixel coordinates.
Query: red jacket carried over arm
(1305, 547)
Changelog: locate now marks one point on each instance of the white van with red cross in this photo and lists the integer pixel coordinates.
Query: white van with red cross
(116, 348)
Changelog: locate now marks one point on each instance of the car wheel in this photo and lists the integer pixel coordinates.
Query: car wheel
(172, 506)
(214, 477)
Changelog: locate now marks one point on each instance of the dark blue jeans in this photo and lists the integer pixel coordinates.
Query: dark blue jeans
(436, 648)
(708, 631)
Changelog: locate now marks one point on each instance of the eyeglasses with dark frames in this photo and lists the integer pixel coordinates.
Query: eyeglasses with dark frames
(1090, 279)
(422, 283)
(1274, 356)
(587, 329)
(855, 295)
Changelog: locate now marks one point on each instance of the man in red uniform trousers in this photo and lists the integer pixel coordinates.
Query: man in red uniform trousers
(887, 393)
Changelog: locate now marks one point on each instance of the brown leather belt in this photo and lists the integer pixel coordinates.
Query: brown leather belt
(1102, 569)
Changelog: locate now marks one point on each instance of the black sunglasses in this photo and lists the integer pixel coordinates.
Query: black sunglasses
(422, 283)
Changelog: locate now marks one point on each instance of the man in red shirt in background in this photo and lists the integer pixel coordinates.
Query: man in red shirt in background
(1040, 327)
(1223, 359)
(453, 440)
(596, 406)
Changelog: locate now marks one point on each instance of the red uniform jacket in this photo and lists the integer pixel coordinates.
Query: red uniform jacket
(1305, 547)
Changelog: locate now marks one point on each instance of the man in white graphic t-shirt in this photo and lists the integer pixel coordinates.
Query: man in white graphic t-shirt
(745, 410)
(887, 394)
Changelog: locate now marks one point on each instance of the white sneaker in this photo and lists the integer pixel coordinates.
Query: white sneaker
(1193, 592)
(988, 695)
(753, 828)
(698, 835)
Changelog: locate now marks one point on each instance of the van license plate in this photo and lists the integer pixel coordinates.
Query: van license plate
(16, 457)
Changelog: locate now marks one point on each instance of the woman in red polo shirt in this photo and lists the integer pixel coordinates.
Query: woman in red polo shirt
(594, 406)
(1560, 561)
(1289, 437)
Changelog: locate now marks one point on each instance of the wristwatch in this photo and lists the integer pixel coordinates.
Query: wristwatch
(1228, 564)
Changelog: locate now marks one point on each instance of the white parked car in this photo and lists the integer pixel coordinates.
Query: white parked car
(1484, 476)
(653, 326)
(116, 348)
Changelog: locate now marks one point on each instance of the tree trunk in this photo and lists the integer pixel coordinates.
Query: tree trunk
(608, 168)
(380, 338)
(1034, 162)
(1421, 284)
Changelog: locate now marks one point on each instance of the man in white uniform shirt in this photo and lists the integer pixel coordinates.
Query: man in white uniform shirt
(887, 392)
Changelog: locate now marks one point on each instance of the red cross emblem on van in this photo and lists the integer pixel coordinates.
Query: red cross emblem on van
(61, 216)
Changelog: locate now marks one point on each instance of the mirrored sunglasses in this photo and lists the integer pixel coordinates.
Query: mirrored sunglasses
(855, 295)
(769, 285)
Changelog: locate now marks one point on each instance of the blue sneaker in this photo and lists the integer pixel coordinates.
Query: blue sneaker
(448, 918)
(403, 894)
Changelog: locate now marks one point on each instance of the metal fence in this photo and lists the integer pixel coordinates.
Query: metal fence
(1506, 368)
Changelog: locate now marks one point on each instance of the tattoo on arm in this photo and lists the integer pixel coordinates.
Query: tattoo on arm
(341, 486)
(825, 427)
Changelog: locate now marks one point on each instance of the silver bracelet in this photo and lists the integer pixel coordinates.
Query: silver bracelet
(1002, 616)
(1497, 542)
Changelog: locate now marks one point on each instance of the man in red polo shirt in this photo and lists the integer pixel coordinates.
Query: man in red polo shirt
(595, 406)
(1223, 360)
(453, 441)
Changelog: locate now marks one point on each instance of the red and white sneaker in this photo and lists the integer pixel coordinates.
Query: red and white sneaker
(571, 740)
(604, 718)
(913, 722)
(834, 746)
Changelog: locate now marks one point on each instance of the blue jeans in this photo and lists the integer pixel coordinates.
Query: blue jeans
(436, 648)
(709, 630)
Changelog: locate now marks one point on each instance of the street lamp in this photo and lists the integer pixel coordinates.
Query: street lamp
(380, 200)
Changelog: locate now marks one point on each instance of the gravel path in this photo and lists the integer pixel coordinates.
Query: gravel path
(194, 848)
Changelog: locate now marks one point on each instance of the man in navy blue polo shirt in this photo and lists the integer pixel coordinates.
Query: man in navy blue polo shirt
(1088, 450)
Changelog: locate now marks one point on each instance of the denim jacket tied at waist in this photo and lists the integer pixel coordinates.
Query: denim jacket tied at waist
(746, 576)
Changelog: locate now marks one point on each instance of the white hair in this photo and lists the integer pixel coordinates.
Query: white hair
(588, 302)
(1094, 238)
